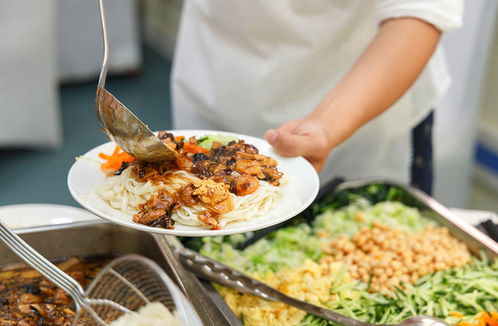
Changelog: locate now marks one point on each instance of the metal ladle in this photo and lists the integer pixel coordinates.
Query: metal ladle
(120, 124)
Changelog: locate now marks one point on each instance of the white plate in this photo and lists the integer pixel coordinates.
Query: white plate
(31, 215)
(302, 188)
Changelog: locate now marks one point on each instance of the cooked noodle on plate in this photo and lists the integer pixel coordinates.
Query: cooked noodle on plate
(214, 180)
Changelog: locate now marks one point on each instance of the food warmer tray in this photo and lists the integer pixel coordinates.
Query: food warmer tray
(100, 238)
(477, 241)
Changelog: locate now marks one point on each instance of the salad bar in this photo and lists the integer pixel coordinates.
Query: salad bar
(375, 251)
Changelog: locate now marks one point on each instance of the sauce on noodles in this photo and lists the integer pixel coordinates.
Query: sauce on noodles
(200, 178)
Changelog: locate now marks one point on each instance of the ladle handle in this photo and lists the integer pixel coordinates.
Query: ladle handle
(103, 71)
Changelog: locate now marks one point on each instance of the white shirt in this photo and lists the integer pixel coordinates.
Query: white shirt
(250, 65)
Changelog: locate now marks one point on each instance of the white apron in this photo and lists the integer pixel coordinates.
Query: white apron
(249, 65)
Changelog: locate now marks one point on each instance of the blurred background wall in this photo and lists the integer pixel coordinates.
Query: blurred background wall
(28, 74)
(62, 46)
(467, 117)
(79, 41)
(469, 55)
(47, 42)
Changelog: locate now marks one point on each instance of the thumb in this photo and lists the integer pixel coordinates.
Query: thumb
(286, 143)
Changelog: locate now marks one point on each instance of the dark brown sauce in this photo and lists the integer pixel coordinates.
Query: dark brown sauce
(237, 166)
(27, 298)
(157, 210)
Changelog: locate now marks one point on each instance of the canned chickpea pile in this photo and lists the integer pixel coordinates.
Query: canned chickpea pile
(386, 257)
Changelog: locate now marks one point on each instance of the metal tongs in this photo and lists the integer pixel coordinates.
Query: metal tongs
(211, 270)
(120, 124)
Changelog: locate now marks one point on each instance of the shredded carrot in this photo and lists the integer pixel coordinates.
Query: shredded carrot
(488, 320)
(179, 138)
(484, 319)
(114, 161)
(191, 148)
(456, 314)
(466, 323)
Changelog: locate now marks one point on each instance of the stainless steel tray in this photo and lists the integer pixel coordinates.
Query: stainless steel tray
(101, 238)
(84, 239)
(431, 208)
(476, 241)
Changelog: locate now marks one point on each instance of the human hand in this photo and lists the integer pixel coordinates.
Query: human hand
(303, 137)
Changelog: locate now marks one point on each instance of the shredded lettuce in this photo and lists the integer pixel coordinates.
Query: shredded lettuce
(468, 290)
(287, 247)
(207, 140)
(350, 219)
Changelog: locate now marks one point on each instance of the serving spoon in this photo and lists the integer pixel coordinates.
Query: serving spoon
(211, 270)
(120, 124)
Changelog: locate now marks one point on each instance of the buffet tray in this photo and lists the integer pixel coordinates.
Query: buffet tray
(93, 238)
(477, 241)
(84, 239)
(100, 238)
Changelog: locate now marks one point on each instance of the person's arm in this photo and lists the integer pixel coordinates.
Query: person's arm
(384, 72)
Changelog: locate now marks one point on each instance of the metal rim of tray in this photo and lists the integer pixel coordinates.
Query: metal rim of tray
(475, 239)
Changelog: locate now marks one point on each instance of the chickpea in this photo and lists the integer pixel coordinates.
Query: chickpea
(377, 271)
(422, 270)
(439, 266)
(396, 265)
(389, 257)
(374, 288)
(382, 278)
(394, 280)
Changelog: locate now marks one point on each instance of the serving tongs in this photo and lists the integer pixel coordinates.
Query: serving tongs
(120, 124)
(217, 272)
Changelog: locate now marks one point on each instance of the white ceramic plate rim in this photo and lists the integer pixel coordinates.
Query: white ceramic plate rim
(30, 215)
(306, 170)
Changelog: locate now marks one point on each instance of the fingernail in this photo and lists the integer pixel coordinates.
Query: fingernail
(271, 136)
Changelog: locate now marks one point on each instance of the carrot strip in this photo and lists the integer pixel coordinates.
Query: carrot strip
(191, 148)
(456, 314)
(114, 161)
(466, 323)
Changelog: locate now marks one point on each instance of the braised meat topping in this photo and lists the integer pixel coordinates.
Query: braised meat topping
(27, 298)
(158, 207)
(210, 220)
(235, 168)
(246, 185)
(224, 160)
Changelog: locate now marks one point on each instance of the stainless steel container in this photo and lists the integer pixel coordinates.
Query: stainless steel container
(101, 238)
(92, 238)
(477, 241)
(85, 239)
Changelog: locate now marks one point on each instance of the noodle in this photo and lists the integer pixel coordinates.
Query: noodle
(123, 192)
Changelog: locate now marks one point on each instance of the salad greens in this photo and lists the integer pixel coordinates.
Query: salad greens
(207, 140)
(462, 292)
(467, 291)
(289, 246)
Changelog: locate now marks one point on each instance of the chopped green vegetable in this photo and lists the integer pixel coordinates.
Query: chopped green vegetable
(207, 140)
(468, 290)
